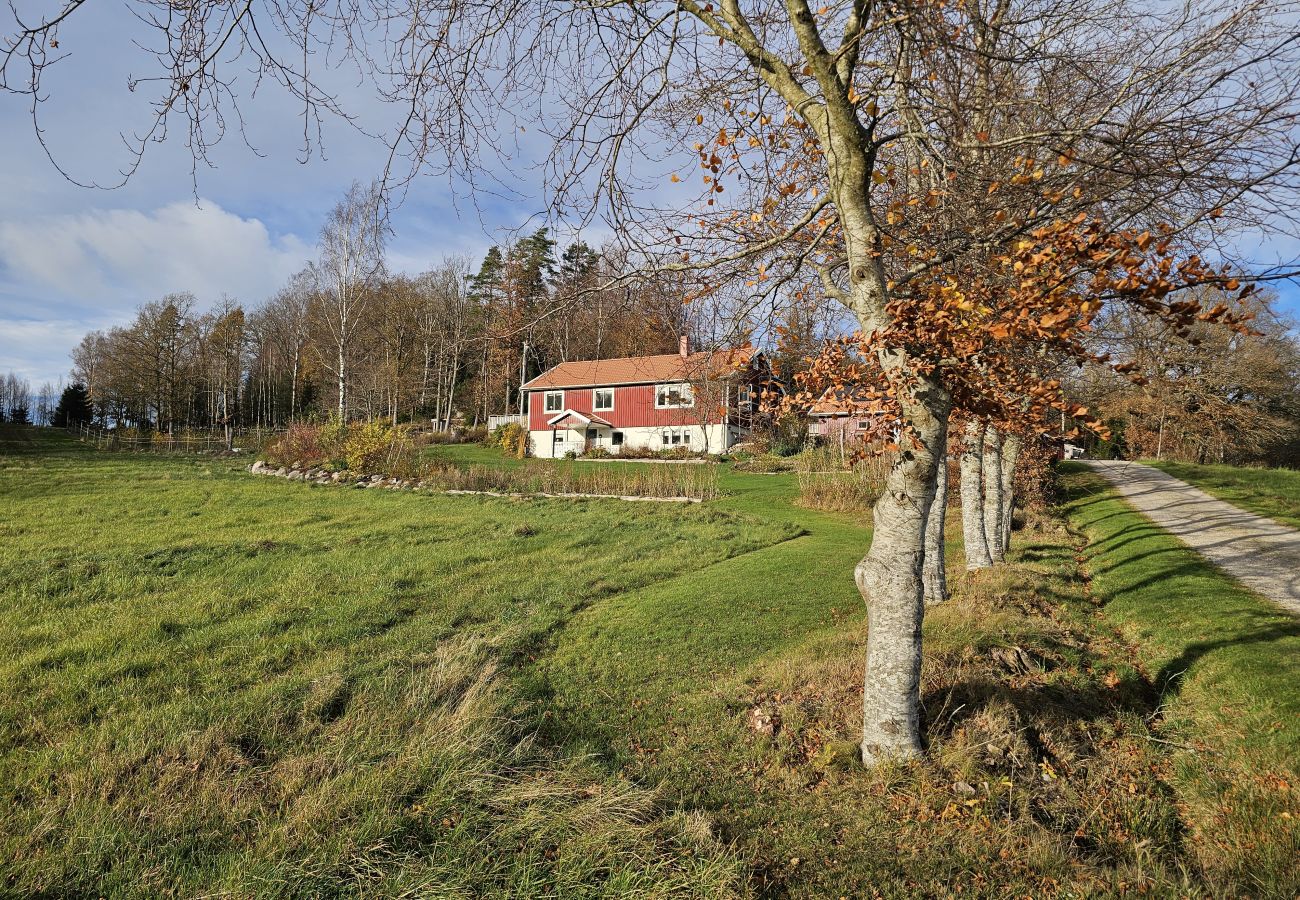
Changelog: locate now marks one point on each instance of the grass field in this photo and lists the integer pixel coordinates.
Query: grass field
(1227, 665)
(221, 684)
(1270, 492)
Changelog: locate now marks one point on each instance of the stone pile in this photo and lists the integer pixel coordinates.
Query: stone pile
(302, 472)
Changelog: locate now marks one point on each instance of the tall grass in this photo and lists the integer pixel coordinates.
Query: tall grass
(401, 786)
(832, 480)
(694, 482)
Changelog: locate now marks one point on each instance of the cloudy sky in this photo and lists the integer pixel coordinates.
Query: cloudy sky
(74, 259)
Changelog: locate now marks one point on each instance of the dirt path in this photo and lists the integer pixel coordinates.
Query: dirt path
(1260, 553)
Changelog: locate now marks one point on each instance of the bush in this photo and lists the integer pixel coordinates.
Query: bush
(511, 437)
(360, 447)
(598, 453)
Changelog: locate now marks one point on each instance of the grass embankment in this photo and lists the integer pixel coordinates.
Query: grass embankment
(1269, 492)
(222, 683)
(1226, 663)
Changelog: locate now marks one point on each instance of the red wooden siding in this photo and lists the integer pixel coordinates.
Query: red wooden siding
(634, 407)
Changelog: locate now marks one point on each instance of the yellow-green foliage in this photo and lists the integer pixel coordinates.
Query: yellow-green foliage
(512, 438)
(371, 446)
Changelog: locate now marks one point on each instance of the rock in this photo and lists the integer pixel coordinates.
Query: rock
(963, 789)
(376, 477)
(764, 720)
(258, 467)
(280, 472)
(295, 475)
(336, 477)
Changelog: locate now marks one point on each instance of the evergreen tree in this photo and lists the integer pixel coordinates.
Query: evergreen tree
(73, 408)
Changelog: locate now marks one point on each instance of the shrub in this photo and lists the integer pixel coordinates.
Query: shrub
(367, 447)
(299, 443)
(511, 437)
(598, 453)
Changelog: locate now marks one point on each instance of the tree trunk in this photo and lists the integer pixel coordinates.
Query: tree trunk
(993, 494)
(890, 581)
(1010, 453)
(934, 575)
(972, 500)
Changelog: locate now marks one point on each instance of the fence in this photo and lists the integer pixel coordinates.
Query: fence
(495, 422)
(188, 441)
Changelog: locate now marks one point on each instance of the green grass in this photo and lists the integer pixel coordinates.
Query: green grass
(1227, 665)
(226, 684)
(1269, 492)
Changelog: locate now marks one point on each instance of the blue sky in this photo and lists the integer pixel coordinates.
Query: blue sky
(74, 259)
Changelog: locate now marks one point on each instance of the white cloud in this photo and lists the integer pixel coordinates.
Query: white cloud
(69, 273)
(119, 252)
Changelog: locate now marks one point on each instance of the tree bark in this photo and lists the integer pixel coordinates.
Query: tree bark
(993, 494)
(1010, 453)
(972, 500)
(934, 575)
(890, 581)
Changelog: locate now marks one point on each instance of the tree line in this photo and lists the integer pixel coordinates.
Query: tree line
(347, 337)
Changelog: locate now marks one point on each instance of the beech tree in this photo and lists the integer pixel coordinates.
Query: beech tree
(970, 180)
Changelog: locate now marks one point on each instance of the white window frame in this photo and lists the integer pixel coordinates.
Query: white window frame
(546, 401)
(595, 403)
(684, 388)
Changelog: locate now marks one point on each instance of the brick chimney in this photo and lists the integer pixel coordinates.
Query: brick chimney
(684, 346)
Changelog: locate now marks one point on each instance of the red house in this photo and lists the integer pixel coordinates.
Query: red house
(703, 401)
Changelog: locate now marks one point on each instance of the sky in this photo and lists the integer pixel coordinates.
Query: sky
(74, 259)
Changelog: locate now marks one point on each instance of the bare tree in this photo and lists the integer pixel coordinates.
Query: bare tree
(351, 263)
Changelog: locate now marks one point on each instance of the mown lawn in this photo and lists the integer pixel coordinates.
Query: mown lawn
(1269, 492)
(221, 684)
(1227, 665)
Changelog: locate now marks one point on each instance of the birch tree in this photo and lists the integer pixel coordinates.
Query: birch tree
(351, 263)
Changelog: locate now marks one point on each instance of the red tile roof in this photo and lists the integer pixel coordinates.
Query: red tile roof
(845, 401)
(643, 369)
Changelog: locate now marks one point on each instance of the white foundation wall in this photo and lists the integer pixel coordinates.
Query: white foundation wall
(720, 438)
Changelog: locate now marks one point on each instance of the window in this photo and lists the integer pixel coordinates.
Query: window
(616, 439)
(554, 401)
(668, 438)
(602, 399)
(673, 396)
(746, 395)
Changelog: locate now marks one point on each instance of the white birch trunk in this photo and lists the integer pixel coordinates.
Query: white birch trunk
(972, 500)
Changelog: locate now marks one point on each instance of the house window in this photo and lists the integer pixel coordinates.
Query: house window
(863, 423)
(616, 439)
(673, 396)
(602, 399)
(675, 438)
(746, 396)
(554, 401)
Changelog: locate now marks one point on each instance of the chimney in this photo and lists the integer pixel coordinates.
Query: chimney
(684, 346)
